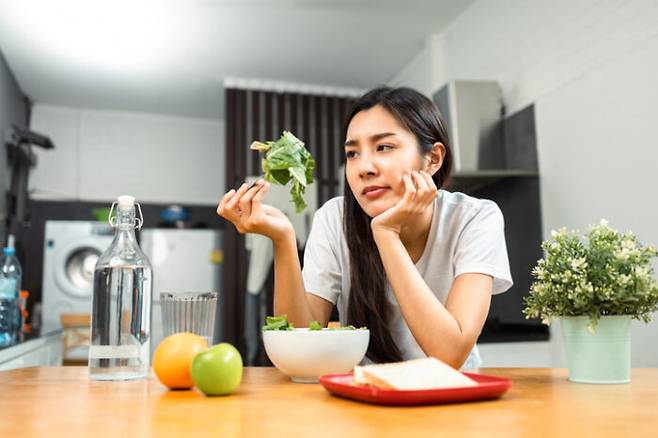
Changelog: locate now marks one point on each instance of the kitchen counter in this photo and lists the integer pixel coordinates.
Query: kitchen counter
(62, 401)
(43, 350)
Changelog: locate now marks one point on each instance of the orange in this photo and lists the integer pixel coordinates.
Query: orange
(173, 356)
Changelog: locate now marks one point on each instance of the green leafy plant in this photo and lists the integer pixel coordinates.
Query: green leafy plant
(287, 159)
(602, 273)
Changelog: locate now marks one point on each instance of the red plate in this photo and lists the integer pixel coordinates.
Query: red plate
(488, 387)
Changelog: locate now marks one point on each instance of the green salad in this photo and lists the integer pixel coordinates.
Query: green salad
(278, 323)
(281, 323)
(287, 159)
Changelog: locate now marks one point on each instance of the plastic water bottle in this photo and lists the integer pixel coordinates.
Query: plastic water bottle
(10, 284)
(121, 302)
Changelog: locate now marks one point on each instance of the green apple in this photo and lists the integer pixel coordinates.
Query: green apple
(217, 370)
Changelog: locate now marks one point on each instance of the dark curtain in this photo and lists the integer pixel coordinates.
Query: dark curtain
(262, 115)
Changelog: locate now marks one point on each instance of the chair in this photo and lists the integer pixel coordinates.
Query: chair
(75, 336)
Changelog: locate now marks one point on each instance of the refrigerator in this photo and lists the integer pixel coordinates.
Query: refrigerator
(183, 260)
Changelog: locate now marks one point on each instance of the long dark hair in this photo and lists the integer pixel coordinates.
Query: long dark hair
(368, 305)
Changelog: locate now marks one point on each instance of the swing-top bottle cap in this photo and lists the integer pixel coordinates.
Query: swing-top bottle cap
(125, 201)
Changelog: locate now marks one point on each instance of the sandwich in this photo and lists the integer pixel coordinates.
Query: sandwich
(417, 374)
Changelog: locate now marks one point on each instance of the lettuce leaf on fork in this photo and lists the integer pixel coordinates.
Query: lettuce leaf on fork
(287, 159)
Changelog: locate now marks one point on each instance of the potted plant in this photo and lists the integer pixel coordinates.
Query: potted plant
(595, 285)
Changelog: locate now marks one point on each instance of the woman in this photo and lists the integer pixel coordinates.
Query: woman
(415, 264)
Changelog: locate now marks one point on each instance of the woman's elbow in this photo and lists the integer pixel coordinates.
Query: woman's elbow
(456, 357)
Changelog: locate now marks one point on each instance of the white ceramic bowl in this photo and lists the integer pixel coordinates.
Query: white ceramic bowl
(305, 354)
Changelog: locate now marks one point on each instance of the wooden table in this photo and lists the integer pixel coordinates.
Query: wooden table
(62, 401)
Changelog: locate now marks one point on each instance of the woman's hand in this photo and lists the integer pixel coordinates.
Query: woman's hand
(419, 193)
(245, 210)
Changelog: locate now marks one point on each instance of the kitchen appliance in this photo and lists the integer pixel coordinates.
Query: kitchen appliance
(71, 249)
(183, 260)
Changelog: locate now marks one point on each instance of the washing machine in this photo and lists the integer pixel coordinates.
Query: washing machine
(71, 249)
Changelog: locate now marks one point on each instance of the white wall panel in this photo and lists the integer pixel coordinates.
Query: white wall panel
(101, 154)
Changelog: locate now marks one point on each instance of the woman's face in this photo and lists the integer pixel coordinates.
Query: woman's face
(378, 152)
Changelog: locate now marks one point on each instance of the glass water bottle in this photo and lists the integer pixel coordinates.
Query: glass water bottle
(121, 303)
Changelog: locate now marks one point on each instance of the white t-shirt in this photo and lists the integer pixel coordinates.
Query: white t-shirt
(466, 235)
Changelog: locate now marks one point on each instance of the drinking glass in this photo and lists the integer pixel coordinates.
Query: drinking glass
(192, 312)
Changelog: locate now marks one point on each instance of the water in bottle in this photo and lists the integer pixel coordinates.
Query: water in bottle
(10, 284)
(121, 303)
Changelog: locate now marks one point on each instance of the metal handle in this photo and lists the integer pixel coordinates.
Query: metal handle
(109, 216)
(139, 221)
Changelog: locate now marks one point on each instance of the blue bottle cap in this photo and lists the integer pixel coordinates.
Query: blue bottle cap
(9, 251)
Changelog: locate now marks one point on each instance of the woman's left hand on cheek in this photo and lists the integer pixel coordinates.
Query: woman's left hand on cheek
(419, 193)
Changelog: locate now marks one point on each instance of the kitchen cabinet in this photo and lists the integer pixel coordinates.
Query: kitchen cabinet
(42, 351)
(516, 190)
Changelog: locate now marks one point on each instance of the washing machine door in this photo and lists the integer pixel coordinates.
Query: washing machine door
(74, 266)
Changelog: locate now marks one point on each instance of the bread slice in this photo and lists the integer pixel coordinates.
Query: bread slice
(428, 373)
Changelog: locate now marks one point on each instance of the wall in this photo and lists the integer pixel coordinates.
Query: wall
(589, 67)
(419, 73)
(426, 72)
(13, 110)
(101, 154)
